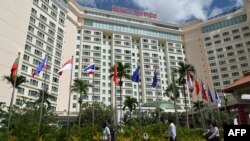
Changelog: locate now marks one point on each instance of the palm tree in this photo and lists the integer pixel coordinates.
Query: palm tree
(182, 71)
(131, 103)
(198, 105)
(80, 87)
(175, 91)
(19, 80)
(122, 73)
(47, 96)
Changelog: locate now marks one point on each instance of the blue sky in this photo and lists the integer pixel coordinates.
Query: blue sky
(171, 10)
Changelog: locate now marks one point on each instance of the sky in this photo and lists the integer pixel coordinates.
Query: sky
(173, 11)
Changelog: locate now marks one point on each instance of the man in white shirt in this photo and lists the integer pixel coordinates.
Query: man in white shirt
(171, 130)
(106, 136)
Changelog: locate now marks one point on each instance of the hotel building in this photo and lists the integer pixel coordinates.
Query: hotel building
(63, 29)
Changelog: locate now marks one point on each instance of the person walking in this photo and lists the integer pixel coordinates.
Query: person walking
(215, 136)
(106, 136)
(171, 130)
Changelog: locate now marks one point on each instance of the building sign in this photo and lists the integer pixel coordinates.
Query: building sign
(134, 12)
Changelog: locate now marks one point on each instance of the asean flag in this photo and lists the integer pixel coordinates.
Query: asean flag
(90, 69)
(190, 82)
(66, 66)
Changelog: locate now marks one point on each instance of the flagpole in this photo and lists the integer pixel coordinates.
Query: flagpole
(93, 112)
(116, 112)
(13, 93)
(201, 110)
(70, 83)
(218, 109)
(41, 106)
(139, 103)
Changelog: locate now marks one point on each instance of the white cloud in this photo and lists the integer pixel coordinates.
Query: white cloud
(176, 10)
(215, 11)
(239, 2)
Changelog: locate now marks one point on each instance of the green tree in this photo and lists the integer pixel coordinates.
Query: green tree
(19, 80)
(131, 103)
(80, 87)
(172, 88)
(122, 73)
(198, 105)
(47, 96)
(182, 72)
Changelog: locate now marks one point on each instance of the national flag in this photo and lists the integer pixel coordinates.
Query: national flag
(90, 69)
(203, 90)
(40, 66)
(115, 76)
(14, 67)
(190, 82)
(154, 83)
(136, 77)
(66, 66)
(197, 86)
(210, 95)
(225, 98)
(218, 100)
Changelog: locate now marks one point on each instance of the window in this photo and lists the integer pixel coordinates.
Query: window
(217, 42)
(27, 47)
(26, 57)
(244, 65)
(241, 51)
(52, 24)
(230, 54)
(239, 45)
(232, 60)
(216, 36)
(227, 39)
(24, 68)
(38, 53)
(43, 18)
(247, 34)
(236, 37)
(39, 43)
(219, 50)
(235, 31)
(242, 58)
(208, 44)
(33, 11)
(42, 26)
(221, 56)
(215, 77)
(222, 62)
(33, 82)
(229, 47)
(225, 75)
(29, 38)
(225, 33)
(44, 7)
(223, 69)
(233, 67)
(207, 38)
(245, 28)
(40, 34)
(235, 74)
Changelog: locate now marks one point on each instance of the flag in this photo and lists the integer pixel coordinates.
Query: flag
(197, 86)
(190, 82)
(66, 66)
(14, 67)
(218, 100)
(136, 77)
(210, 95)
(90, 69)
(115, 77)
(204, 89)
(154, 83)
(40, 66)
(225, 98)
